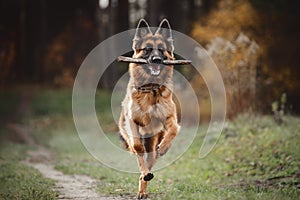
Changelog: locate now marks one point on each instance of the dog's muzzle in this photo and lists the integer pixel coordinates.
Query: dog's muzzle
(154, 65)
(154, 69)
(156, 60)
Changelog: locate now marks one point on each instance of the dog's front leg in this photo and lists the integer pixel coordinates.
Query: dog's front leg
(172, 129)
(139, 149)
(144, 178)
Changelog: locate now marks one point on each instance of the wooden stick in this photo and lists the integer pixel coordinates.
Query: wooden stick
(177, 62)
(144, 61)
(132, 60)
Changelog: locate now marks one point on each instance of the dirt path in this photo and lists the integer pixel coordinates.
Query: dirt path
(78, 187)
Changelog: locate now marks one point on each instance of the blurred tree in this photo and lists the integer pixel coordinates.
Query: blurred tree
(237, 61)
(273, 25)
(279, 32)
(154, 13)
(225, 33)
(22, 38)
(40, 50)
(67, 51)
(7, 55)
(112, 18)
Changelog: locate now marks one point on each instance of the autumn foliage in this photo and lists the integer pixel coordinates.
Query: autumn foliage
(238, 36)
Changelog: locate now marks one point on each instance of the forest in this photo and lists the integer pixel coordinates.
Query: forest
(44, 42)
(254, 44)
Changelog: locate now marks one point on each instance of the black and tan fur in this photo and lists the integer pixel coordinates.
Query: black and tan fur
(148, 121)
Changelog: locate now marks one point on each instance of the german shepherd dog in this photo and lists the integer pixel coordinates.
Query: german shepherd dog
(148, 121)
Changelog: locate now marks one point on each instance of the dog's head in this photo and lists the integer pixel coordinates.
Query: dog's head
(154, 48)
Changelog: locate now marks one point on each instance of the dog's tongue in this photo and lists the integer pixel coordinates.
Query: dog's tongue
(155, 69)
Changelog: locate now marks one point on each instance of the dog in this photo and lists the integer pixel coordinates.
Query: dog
(148, 120)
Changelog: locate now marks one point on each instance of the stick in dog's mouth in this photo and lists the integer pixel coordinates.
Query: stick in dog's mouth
(144, 61)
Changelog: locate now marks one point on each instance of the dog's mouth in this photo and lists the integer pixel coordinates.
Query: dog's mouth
(154, 69)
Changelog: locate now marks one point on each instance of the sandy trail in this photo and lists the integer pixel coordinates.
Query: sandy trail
(78, 187)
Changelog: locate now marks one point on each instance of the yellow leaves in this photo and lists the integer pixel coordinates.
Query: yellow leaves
(237, 61)
(227, 20)
(226, 32)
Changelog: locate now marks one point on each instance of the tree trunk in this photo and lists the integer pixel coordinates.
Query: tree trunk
(117, 21)
(22, 42)
(40, 49)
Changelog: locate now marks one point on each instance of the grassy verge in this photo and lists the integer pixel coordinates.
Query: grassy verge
(18, 181)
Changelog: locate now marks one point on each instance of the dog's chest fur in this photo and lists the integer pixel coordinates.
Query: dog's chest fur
(148, 109)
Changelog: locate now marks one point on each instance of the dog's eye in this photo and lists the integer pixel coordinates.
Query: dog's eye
(148, 49)
(162, 50)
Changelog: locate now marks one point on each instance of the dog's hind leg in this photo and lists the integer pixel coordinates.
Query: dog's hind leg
(150, 144)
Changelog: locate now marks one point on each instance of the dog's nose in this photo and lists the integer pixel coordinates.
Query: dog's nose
(156, 59)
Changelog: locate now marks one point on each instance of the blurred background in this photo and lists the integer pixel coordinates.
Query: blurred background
(254, 43)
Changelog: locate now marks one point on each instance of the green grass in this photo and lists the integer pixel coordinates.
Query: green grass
(18, 181)
(249, 154)
(52, 102)
(8, 102)
(254, 158)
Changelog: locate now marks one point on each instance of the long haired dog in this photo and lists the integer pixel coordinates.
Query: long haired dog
(148, 121)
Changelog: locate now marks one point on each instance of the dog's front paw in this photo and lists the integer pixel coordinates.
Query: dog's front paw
(162, 149)
(142, 195)
(148, 177)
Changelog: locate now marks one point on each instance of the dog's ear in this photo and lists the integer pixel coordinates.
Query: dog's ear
(142, 29)
(164, 29)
